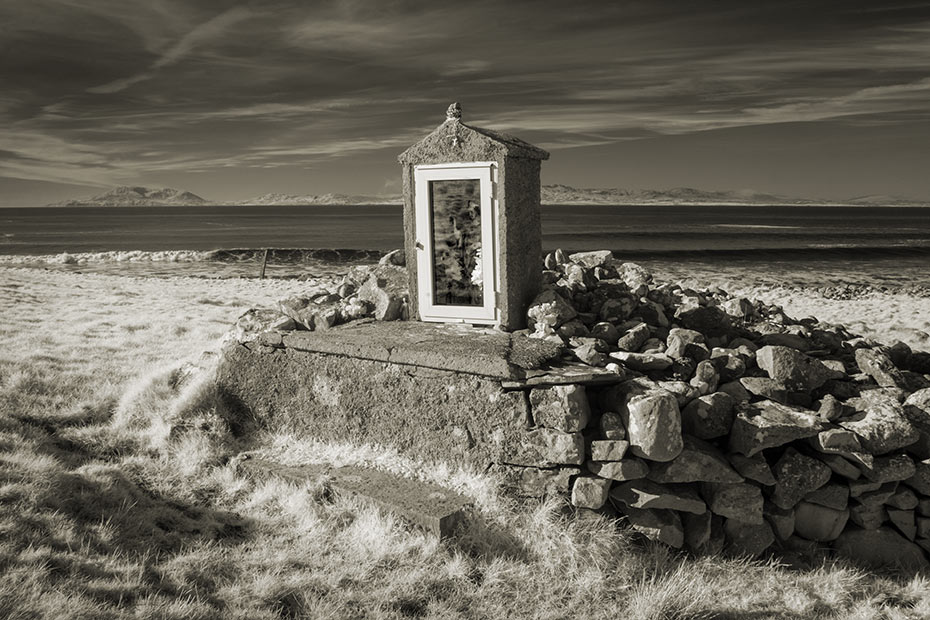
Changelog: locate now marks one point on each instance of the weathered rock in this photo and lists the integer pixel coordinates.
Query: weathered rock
(595, 258)
(653, 425)
(753, 468)
(738, 307)
(781, 520)
(633, 275)
(608, 449)
(880, 423)
(766, 387)
(562, 407)
(836, 441)
(729, 364)
(794, 369)
(880, 548)
(698, 461)
(589, 354)
(661, 525)
(708, 416)
(749, 539)
(792, 341)
(549, 309)
(874, 497)
(840, 466)
(611, 425)
(572, 329)
(386, 290)
(643, 361)
(819, 523)
(831, 495)
(546, 447)
(705, 377)
(740, 501)
(830, 409)
(767, 424)
(708, 320)
(606, 332)
(904, 521)
(648, 494)
(868, 517)
(630, 468)
(903, 499)
(920, 481)
(889, 468)
(880, 367)
(858, 488)
(686, 343)
(736, 390)
(617, 308)
(683, 392)
(536, 482)
(797, 475)
(590, 492)
(917, 410)
(634, 338)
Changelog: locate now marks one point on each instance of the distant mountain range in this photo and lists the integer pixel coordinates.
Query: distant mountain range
(137, 197)
(551, 194)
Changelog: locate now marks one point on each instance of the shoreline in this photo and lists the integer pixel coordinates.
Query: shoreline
(882, 315)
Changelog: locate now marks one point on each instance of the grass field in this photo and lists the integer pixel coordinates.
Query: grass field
(118, 498)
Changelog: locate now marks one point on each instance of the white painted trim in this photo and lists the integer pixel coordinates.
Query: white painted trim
(485, 172)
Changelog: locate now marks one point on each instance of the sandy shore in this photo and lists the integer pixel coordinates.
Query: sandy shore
(187, 313)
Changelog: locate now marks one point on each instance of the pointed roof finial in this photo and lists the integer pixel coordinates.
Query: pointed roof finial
(454, 111)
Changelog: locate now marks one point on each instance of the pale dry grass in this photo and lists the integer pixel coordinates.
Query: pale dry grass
(118, 498)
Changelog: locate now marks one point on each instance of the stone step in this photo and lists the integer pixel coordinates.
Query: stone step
(429, 506)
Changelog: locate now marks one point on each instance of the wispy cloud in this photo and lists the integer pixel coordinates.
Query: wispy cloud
(185, 45)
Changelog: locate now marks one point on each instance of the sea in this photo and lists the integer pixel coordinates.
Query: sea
(884, 247)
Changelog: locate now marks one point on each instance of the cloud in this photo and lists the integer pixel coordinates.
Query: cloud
(203, 33)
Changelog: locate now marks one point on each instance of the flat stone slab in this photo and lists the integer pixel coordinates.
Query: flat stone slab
(440, 346)
(429, 506)
(565, 373)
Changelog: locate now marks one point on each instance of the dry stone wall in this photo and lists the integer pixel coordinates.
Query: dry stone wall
(736, 427)
(706, 421)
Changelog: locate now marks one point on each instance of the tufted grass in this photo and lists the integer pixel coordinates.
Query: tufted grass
(118, 499)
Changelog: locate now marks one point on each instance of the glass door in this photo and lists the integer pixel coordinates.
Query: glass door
(455, 242)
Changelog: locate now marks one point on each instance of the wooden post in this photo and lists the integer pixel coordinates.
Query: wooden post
(264, 262)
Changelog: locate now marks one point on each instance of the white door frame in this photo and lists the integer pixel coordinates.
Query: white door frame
(486, 173)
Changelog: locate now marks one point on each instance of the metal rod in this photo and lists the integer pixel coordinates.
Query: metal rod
(264, 262)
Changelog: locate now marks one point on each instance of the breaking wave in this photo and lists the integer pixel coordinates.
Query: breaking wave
(293, 256)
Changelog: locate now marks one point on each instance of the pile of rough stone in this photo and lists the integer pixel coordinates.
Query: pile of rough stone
(378, 292)
(737, 426)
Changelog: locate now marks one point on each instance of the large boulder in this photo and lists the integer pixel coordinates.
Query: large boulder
(653, 424)
(739, 501)
(917, 410)
(793, 369)
(880, 548)
(880, 367)
(881, 424)
(767, 424)
(563, 407)
(386, 290)
(698, 461)
(797, 475)
(590, 492)
(819, 523)
(748, 539)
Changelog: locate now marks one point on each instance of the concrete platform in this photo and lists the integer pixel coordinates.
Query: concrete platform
(456, 348)
(429, 506)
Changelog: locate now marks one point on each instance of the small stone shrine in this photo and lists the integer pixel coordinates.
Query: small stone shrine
(471, 224)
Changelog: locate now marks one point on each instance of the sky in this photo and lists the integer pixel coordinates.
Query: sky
(232, 100)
